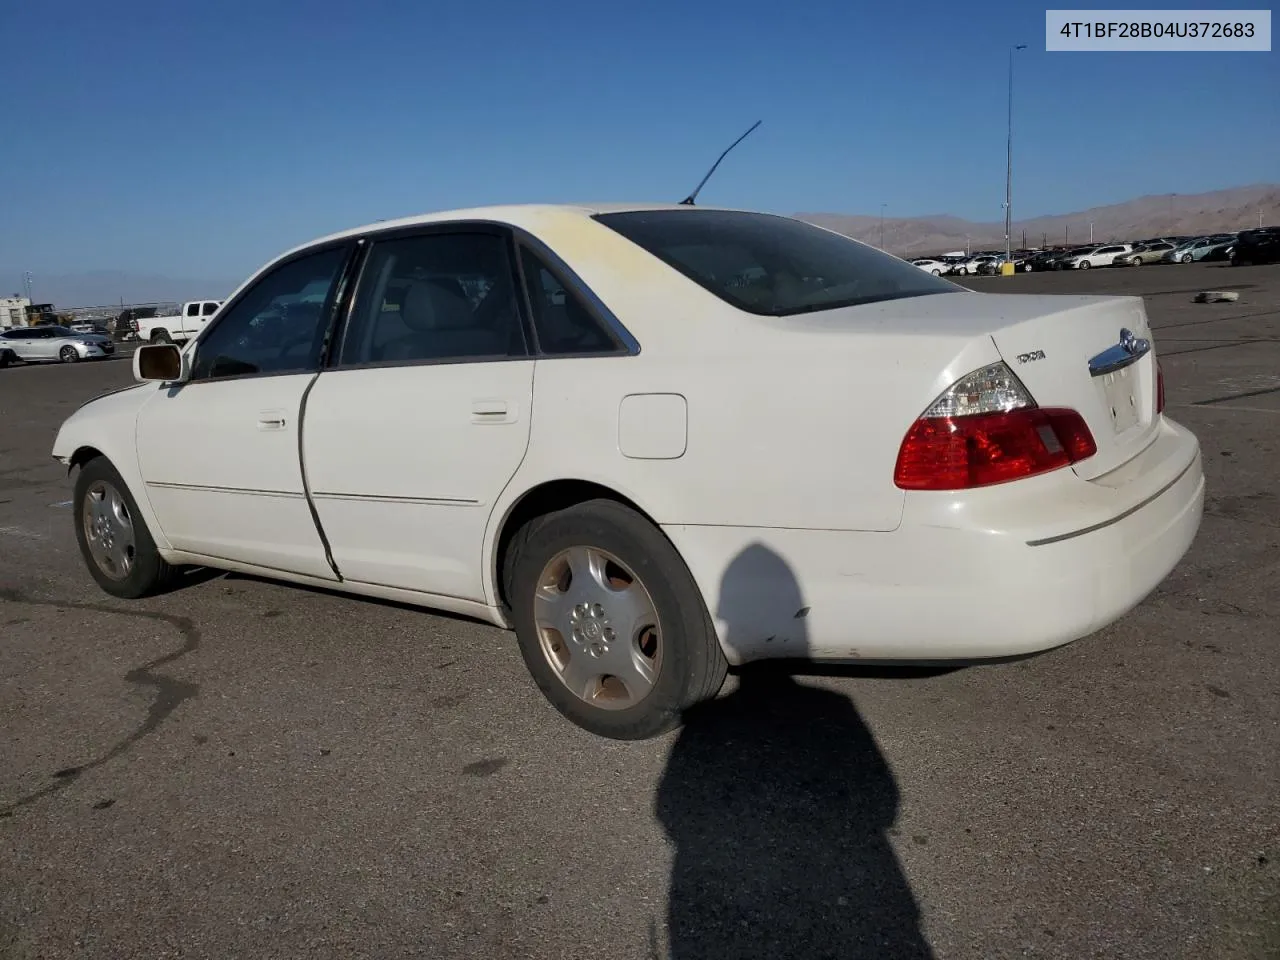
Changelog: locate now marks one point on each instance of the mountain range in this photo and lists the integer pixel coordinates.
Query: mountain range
(1156, 215)
(1168, 214)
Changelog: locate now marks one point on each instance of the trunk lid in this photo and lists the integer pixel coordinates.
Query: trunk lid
(1049, 342)
(1095, 356)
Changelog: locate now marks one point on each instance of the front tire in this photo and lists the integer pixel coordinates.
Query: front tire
(1186, 258)
(114, 540)
(1085, 264)
(68, 354)
(610, 623)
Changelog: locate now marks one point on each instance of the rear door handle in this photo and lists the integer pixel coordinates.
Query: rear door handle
(491, 411)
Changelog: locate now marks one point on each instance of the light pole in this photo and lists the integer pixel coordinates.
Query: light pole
(1091, 231)
(1008, 176)
(27, 279)
(882, 226)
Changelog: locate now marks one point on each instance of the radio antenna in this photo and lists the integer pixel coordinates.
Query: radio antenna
(688, 201)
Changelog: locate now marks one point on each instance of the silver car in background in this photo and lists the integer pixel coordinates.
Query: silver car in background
(50, 342)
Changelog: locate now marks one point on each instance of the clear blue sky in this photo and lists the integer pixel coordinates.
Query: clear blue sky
(199, 139)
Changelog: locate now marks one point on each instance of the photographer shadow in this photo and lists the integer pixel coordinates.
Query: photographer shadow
(778, 803)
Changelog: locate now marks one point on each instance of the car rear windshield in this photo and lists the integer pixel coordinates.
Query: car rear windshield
(771, 265)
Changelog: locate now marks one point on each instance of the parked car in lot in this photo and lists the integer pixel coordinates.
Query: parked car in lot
(1197, 249)
(51, 342)
(1143, 253)
(936, 267)
(1042, 260)
(654, 442)
(1102, 255)
(1256, 246)
(190, 319)
(973, 264)
(1059, 260)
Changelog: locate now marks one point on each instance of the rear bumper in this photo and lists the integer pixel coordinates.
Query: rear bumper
(1007, 576)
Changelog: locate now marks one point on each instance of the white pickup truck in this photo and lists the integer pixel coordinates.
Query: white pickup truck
(179, 327)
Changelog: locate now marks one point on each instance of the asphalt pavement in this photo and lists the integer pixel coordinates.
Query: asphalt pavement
(242, 768)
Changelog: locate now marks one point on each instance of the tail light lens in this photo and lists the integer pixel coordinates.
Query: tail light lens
(987, 429)
(1159, 388)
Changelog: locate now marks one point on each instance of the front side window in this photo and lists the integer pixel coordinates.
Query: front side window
(209, 309)
(278, 326)
(771, 265)
(435, 297)
(562, 322)
(193, 309)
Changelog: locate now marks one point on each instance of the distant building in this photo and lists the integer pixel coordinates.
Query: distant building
(13, 312)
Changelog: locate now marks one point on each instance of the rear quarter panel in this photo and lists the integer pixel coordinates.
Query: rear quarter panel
(788, 424)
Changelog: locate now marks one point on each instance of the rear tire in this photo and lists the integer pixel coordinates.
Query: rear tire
(106, 513)
(161, 336)
(576, 579)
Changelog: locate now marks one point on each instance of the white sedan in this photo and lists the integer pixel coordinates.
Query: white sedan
(936, 267)
(655, 442)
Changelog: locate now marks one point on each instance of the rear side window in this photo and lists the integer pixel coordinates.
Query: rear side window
(771, 265)
(562, 322)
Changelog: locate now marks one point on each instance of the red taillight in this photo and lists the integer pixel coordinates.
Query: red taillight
(1159, 388)
(956, 453)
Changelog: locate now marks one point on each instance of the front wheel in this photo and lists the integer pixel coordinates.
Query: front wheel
(1136, 261)
(68, 354)
(1186, 258)
(1085, 264)
(114, 540)
(610, 622)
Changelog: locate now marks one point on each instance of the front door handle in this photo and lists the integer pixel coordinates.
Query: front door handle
(492, 411)
(271, 420)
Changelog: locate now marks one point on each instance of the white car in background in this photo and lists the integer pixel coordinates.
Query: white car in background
(1100, 256)
(49, 342)
(936, 267)
(973, 265)
(654, 442)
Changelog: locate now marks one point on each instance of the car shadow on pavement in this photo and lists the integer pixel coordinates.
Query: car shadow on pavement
(779, 802)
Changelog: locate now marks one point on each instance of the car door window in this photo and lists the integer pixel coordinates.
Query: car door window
(561, 320)
(435, 297)
(278, 326)
(209, 309)
(193, 309)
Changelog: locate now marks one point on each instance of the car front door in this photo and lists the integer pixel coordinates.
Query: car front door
(423, 416)
(219, 453)
(43, 344)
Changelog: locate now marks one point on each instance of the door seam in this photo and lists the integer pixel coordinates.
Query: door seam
(306, 483)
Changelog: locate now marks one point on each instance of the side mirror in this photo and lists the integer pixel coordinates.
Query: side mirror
(158, 363)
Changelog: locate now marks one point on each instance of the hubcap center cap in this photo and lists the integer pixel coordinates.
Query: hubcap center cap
(591, 629)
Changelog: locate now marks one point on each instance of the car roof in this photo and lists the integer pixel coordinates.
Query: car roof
(517, 215)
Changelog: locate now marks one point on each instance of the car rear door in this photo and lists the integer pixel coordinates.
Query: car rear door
(423, 416)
